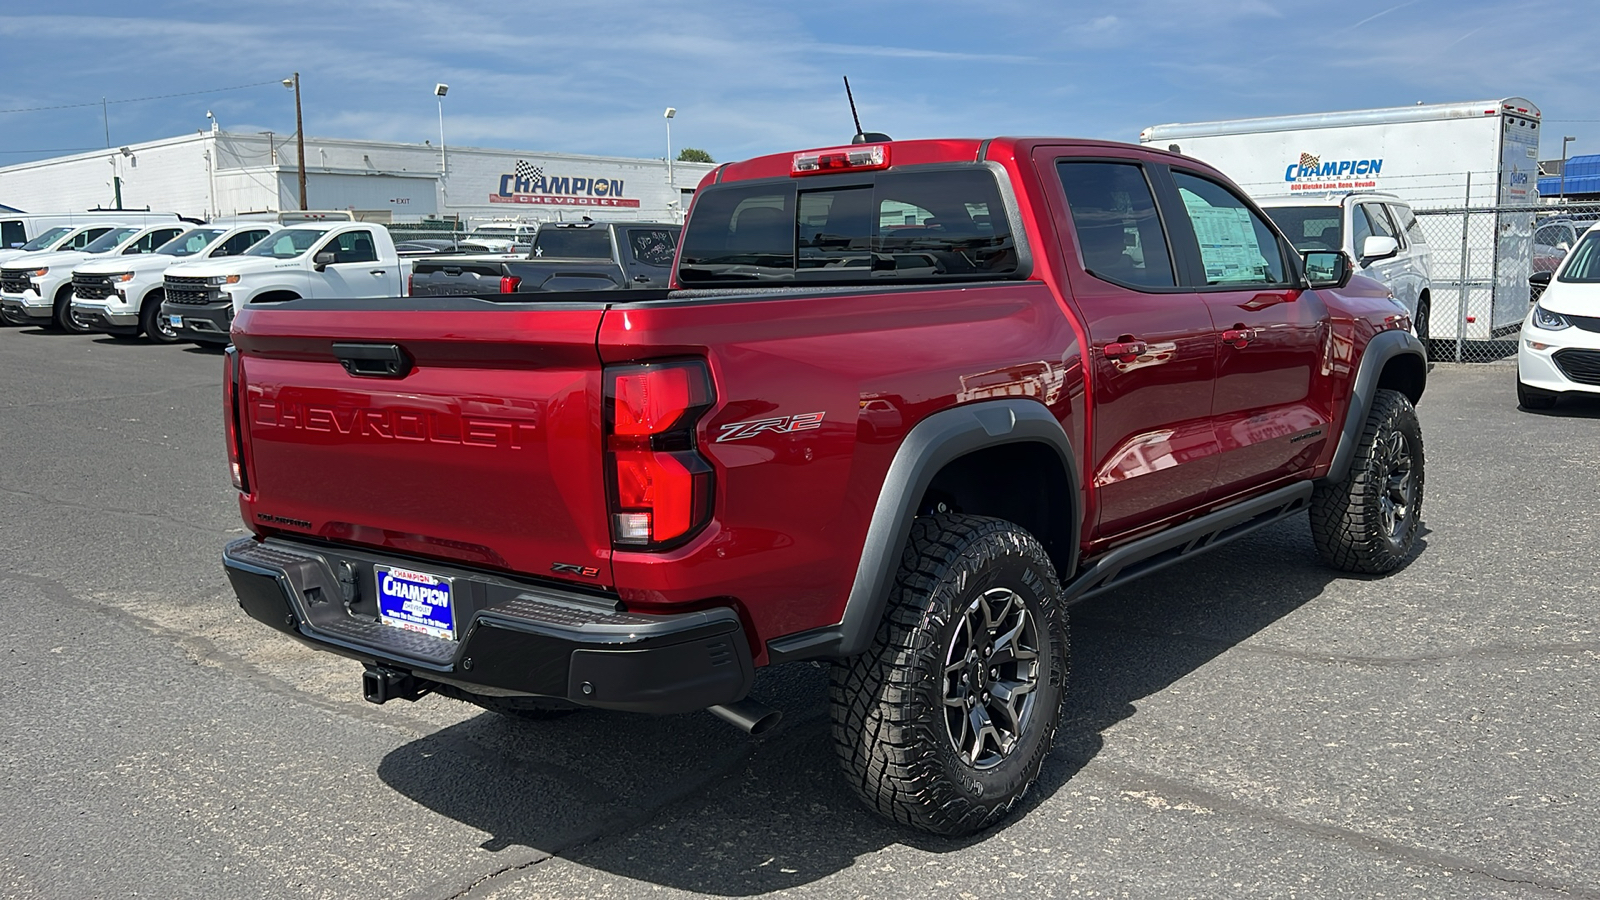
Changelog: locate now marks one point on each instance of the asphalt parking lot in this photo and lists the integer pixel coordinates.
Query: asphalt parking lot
(1249, 724)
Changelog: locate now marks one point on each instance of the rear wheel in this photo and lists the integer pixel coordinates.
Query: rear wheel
(944, 722)
(1534, 398)
(151, 323)
(1368, 522)
(65, 318)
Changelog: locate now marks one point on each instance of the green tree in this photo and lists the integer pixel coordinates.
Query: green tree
(694, 154)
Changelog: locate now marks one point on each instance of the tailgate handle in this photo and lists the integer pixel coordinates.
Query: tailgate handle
(373, 360)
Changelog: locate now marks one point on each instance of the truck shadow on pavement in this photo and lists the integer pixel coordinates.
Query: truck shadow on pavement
(688, 803)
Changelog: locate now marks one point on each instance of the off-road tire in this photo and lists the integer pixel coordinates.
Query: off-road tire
(1367, 523)
(890, 717)
(150, 321)
(1424, 313)
(1533, 398)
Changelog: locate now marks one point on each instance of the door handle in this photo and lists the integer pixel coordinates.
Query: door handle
(1127, 351)
(643, 279)
(378, 271)
(1239, 336)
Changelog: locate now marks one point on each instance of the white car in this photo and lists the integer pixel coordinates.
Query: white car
(1558, 351)
(1377, 230)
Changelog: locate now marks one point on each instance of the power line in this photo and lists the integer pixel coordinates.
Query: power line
(237, 87)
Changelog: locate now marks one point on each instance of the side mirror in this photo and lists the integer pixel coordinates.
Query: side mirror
(1563, 246)
(1539, 280)
(1377, 247)
(1327, 268)
(324, 259)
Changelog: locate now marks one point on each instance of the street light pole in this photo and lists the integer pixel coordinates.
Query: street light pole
(299, 134)
(1564, 142)
(439, 90)
(672, 187)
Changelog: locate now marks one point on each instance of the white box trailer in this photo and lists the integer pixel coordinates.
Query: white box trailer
(1482, 155)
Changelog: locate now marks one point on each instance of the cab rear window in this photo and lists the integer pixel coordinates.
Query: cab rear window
(900, 226)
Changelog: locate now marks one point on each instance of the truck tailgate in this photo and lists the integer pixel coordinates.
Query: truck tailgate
(453, 277)
(485, 448)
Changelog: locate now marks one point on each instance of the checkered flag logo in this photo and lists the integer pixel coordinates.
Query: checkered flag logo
(528, 170)
(1307, 161)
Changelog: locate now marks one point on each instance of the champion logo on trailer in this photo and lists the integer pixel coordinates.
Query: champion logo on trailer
(528, 183)
(1312, 168)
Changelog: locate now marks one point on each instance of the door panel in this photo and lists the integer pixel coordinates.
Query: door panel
(1151, 353)
(1268, 424)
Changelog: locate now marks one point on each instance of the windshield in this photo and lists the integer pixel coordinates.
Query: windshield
(1583, 263)
(573, 243)
(288, 243)
(46, 239)
(191, 242)
(110, 239)
(1310, 227)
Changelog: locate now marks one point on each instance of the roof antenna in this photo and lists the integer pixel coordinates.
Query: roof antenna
(862, 137)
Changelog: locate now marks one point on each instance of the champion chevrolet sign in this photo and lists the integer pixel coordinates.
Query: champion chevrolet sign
(528, 183)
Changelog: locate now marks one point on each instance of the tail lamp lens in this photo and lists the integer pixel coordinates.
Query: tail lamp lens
(660, 486)
(231, 414)
(509, 284)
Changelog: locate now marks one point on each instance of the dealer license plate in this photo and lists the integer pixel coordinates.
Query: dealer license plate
(177, 321)
(416, 601)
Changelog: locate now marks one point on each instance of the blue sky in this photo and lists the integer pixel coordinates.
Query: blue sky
(756, 77)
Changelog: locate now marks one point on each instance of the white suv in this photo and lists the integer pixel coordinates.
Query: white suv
(1375, 229)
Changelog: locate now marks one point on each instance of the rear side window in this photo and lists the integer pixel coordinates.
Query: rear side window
(573, 243)
(1236, 246)
(653, 246)
(1114, 217)
(12, 234)
(912, 225)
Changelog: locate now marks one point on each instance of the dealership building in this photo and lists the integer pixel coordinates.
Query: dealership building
(219, 173)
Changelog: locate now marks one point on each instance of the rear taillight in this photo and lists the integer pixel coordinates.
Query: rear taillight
(509, 284)
(411, 282)
(660, 487)
(233, 412)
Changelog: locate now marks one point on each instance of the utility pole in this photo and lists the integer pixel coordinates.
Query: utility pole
(299, 134)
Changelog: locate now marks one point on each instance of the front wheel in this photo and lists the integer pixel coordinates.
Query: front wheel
(65, 318)
(944, 722)
(152, 324)
(1368, 522)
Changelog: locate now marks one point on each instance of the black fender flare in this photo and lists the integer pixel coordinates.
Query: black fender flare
(1384, 346)
(933, 443)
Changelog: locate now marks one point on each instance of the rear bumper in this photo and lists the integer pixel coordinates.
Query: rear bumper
(209, 323)
(516, 639)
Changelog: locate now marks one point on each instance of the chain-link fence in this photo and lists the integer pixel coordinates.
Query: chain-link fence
(1482, 258)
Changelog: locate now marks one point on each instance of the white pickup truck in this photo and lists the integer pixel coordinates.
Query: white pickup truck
(36, 288)
(322, 261)
(122, 295)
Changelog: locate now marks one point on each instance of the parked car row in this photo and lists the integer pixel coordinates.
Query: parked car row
(155, 275)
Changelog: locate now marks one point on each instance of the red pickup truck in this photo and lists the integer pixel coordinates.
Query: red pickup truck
(905, 403)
